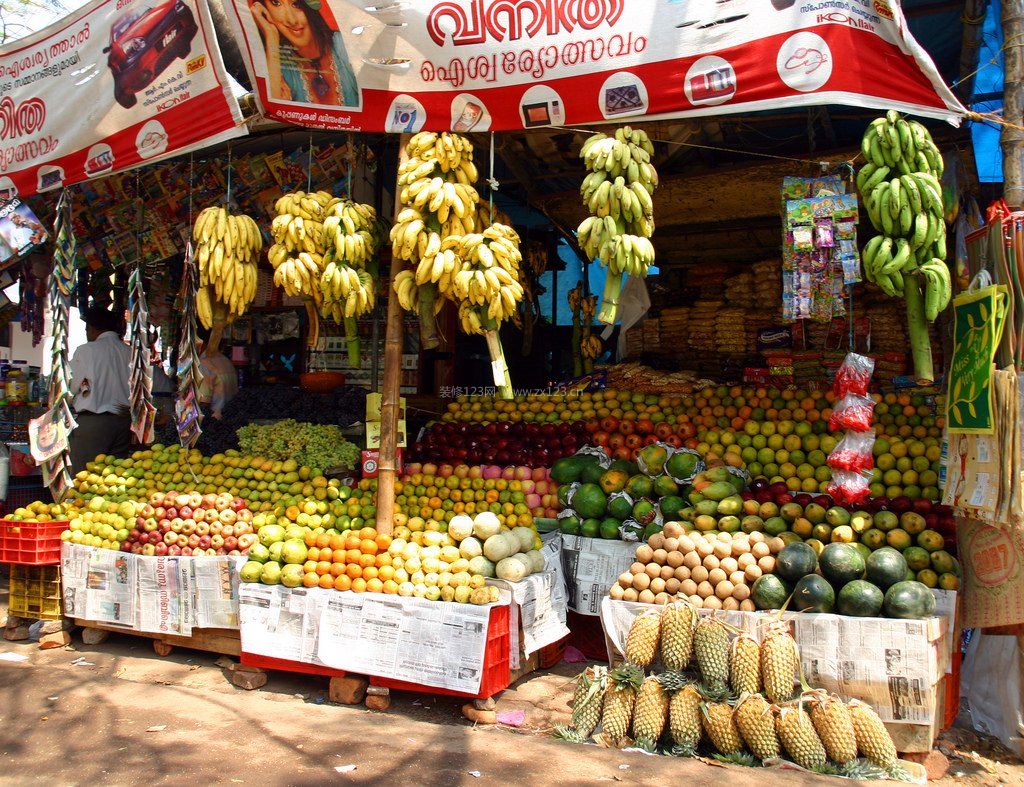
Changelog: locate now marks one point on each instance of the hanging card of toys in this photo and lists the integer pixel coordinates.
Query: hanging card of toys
(820, 258)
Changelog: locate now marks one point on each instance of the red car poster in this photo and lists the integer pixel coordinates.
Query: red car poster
(477, 65)
(113, 85)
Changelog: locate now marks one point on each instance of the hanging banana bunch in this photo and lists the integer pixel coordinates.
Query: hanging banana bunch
(590, 345)
(536, 259)
(486, 283)
(902, 193)
(440, 201)
(297, 254)
(618, 192)
(228, 249)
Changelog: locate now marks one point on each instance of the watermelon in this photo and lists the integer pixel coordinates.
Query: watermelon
(590, 501)
(769, 592)
(909, 601)
(886, 567)
(796, 561)
(813, 594)
(841, 563)
(859, 599)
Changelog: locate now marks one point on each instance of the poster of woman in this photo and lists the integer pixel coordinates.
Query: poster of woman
(306, 57)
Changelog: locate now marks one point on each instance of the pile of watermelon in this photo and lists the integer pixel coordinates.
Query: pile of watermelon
(842, 580)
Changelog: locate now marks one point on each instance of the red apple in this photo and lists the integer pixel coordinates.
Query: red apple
(202, 528)
(171, 538)
(204, 542)
(230, 542)
(136, 549)
(186, 551)
(170, 513)
(193, 541)
(173, 551)
(216, 528)
(156, 499)
(149, 549)
(151, 525)
(160, 549)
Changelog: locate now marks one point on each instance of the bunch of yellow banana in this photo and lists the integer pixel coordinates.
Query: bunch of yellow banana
(488, 214)
(351, 230)
(227, 252)
(489, 274)
(345, 292)
(472, 319)
(297, 256)
(408, 293)
(618, 193)
(451, 152)
(591, 347)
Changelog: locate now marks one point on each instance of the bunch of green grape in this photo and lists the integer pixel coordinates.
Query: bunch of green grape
(319, 447)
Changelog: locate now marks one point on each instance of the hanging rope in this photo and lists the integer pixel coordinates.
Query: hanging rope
(492, 181)
(309, 165)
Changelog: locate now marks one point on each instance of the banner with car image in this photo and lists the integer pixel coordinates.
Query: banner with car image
(111, 86)
(478, 65)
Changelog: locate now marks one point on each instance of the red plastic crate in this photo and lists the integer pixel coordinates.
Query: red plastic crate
(587, 635)
(31, 543)
(497, 674)
(285, 665)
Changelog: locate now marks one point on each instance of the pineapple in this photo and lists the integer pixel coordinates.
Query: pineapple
(711, 647)
(619, 699)
(677, 624)
(801, 742)
(721, 728)
(832, 721)
(779, 663)
(650, 713)
(683, 712)
(756, 723)
(745, 665)
(873, 740)
(643, 638)
(586, 701)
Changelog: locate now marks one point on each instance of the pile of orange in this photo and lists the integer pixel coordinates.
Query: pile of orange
(356, 560)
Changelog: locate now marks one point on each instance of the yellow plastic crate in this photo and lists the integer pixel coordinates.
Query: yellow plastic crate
(35, 592)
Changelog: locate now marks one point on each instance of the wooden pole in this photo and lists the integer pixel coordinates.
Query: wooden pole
(393, 340)
(1012, 139)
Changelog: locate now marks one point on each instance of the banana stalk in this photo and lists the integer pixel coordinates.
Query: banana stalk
(577, 343)
(610, 298)
(428, 320)
(352, 340)
(918, 330)
(497, 353)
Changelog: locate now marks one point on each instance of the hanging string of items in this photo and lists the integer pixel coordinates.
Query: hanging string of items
(187, 415)
(57, 469)
(140, 382)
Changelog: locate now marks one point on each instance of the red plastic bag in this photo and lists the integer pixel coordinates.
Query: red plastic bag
(848, 488)
(853, 452)
(854, 375)
(852, 413)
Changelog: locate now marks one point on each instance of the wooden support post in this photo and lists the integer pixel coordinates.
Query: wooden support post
(1012, 139)
(393, 340)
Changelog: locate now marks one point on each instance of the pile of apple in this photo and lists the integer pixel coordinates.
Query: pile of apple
(191, 524)
(499, 442)
(438, 492)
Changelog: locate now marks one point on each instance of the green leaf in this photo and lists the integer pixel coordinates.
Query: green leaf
(971, 409)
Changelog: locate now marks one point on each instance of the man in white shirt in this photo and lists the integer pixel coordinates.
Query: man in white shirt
(99, 382)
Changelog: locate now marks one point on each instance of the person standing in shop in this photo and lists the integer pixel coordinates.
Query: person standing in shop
(220, 380)
(99, 384)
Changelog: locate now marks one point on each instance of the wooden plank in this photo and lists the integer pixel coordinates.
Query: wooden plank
(227, 642)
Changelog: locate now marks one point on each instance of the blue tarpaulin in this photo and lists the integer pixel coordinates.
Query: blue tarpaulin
(987, 96)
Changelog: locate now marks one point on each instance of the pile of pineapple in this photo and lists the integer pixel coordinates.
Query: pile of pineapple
(728, 695)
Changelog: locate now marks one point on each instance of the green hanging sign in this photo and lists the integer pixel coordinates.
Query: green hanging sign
(979, 318)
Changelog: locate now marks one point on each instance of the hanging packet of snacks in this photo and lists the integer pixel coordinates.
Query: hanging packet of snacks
(187, 415)
(852, 458)
(140, 381)
(57, 469)
(820, 257)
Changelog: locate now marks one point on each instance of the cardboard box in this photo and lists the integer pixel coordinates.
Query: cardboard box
(371, 458)
(373, 403)
(373, 434)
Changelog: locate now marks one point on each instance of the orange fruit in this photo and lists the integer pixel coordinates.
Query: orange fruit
(359, 585)
(353, 555)
(383, 542)
(337, 569)
(337, 542)
(327, 582)
(368, 547)
(354, 570)
(323, 567)
(370, 572)
(309, 566)
(374, 586)
(323, 540)
(352, 541)
(390, 586)
(369, 532)
(310, 579)
(386, 572)
(367, 560)
(342, 582)
(383, 559)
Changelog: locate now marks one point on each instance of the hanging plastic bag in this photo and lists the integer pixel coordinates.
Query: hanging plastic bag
(852, 413)
(853, 452)
(848, 488)
(853, 376)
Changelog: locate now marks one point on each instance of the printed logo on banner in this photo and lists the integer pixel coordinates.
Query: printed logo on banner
(469, 114)
(804, 62)
(18, 120)
(406, 115)
(7, 189)
(993, 556)
(501, 20)
(195, 64)
(883, 9)
(151, 139)
(711, 80)
(50, 177)
(542, 106)
(99, 160)
(623, 94)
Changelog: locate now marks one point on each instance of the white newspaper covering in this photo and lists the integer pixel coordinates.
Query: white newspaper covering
(539, 603)
(112, 588)
(591, 566)
(890, 664)
(408, 639)
(165, 596)
(945, 607)
(279, 622)
(216, 591)
(74, 569)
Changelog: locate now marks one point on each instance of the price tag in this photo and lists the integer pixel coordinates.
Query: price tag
(498, 368)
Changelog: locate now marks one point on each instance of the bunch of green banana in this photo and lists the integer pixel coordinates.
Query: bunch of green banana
(227, 252)
(488, 273)
(297, 256)
(352, 232)
(902, 196)
(618, 193)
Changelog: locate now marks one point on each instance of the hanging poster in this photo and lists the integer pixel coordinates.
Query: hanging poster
(115, 84)
(978, 320)
(478, 65)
